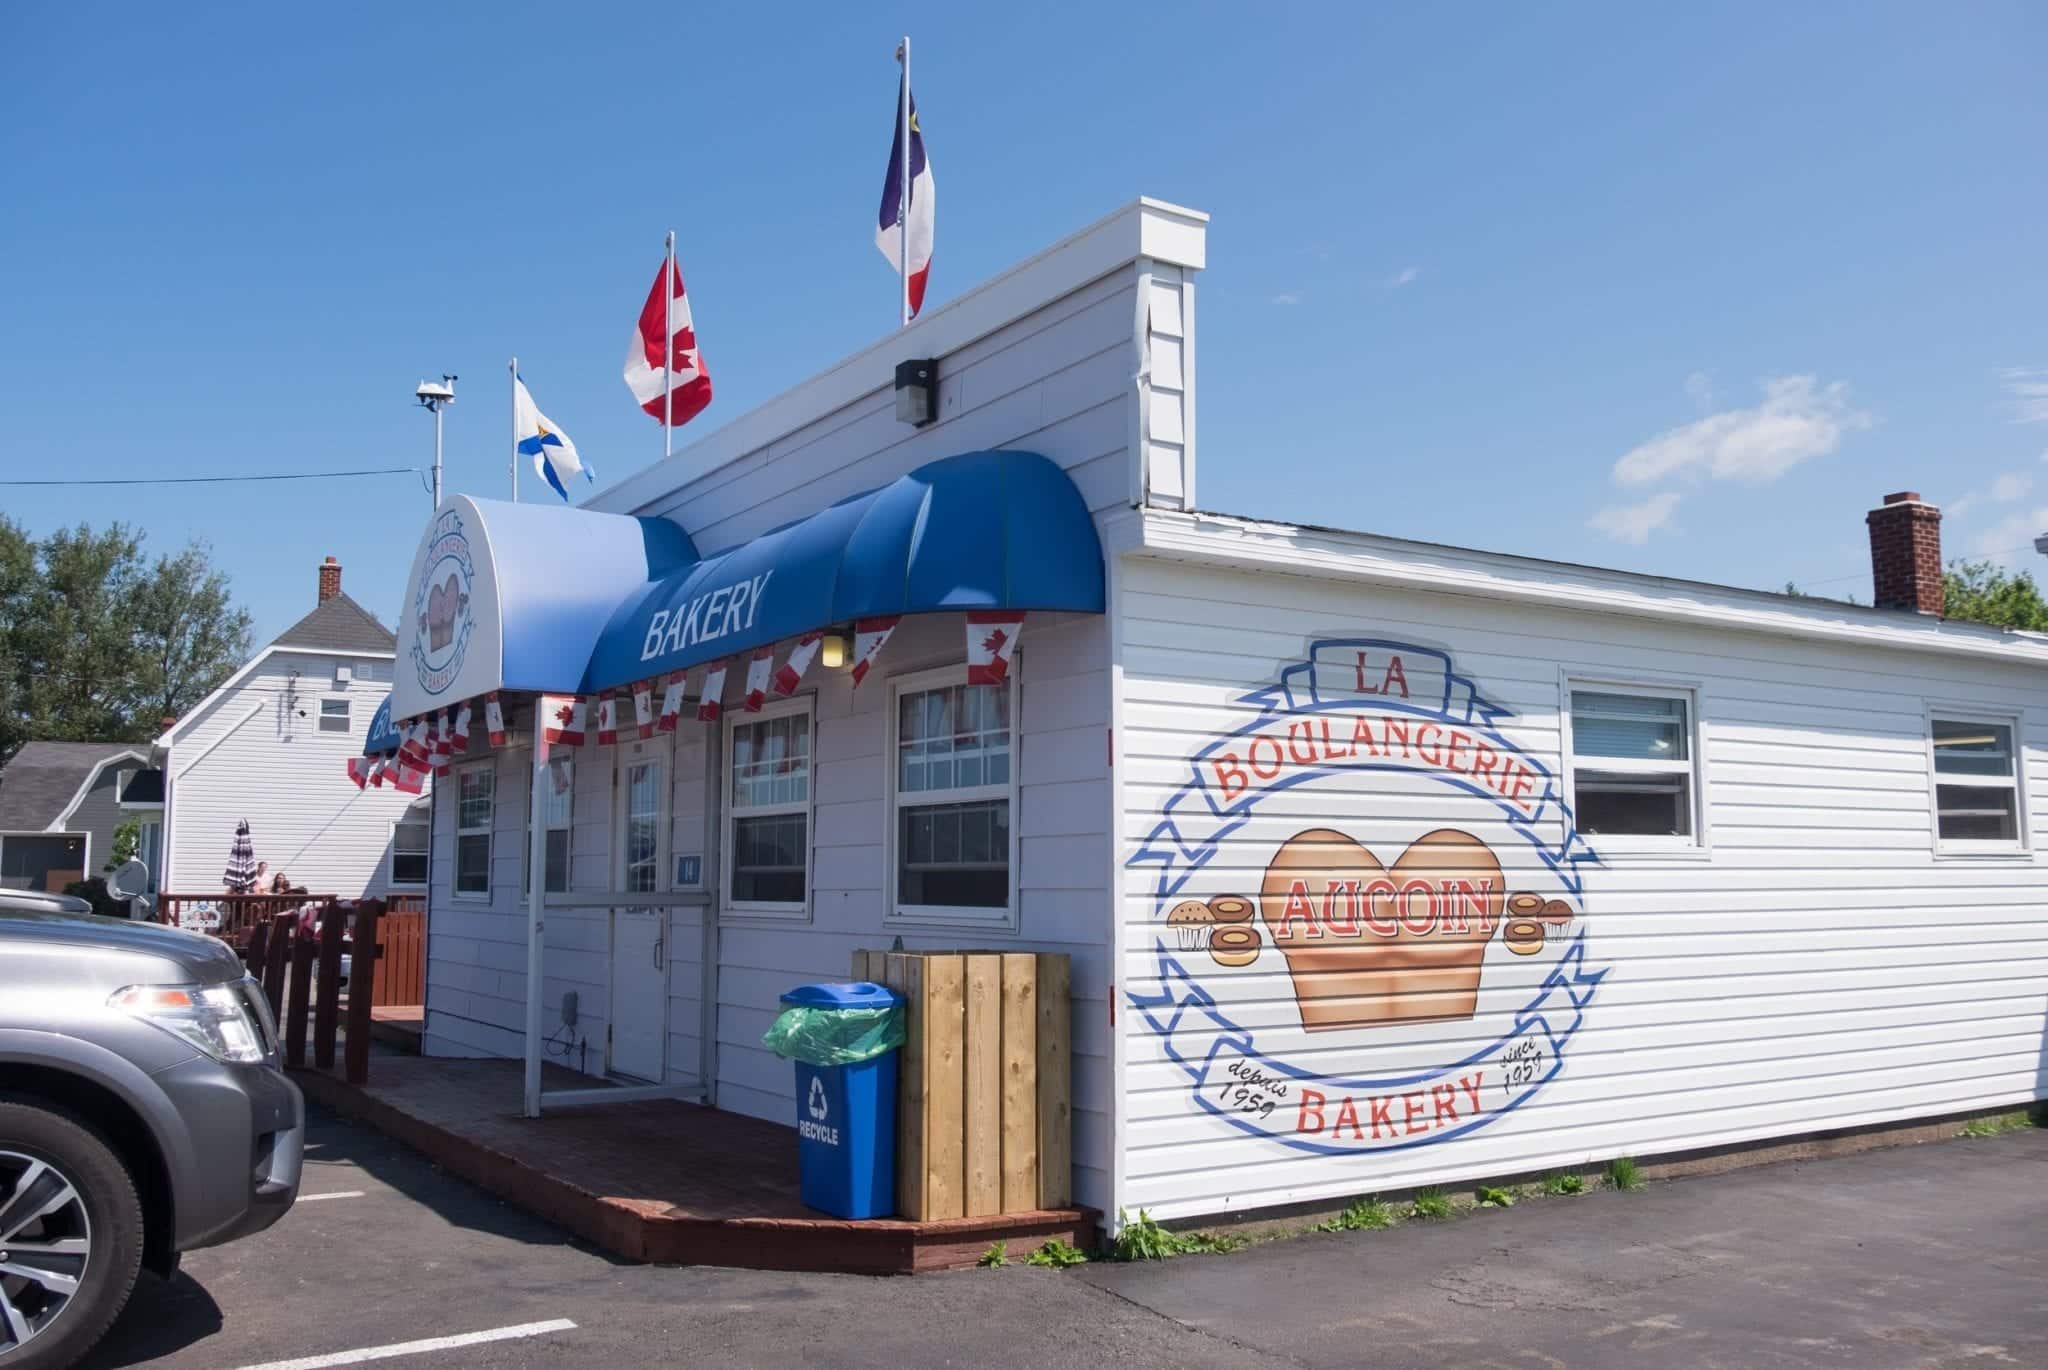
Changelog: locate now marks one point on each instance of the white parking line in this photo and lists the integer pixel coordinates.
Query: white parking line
(414, 1348)
(337, 1194)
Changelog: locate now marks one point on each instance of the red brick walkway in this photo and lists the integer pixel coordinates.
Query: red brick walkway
(659, 1180)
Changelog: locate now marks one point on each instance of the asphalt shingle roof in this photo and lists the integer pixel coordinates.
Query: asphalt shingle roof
(339, 624)
(40, 780)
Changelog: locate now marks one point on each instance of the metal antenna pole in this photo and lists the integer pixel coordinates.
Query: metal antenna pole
(437, 456)
(513, 463)
(903, 187)
(668, 349)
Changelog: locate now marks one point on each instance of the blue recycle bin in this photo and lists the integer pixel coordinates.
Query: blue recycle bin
(846, 1114)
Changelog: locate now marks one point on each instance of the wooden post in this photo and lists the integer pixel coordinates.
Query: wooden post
(274, 962)
(1020, 1082)
(945, 1067)
(299, 997)
(252, 955)
(1055, 1087)
(983, 1104)
(362, 974)
(327, 1002)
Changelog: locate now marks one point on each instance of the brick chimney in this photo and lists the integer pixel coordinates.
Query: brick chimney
(1905, 554)
(330, 578)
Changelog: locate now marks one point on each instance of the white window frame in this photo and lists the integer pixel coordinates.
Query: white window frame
(2021, 845)
(566, 756)
(625, 757)
(804, 703)
(347, 717)
(1004, 919)
(1699, 843)
(391, 879)
(455, 890)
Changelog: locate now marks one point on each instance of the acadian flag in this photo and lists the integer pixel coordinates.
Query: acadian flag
(892, 223)
(539, 437)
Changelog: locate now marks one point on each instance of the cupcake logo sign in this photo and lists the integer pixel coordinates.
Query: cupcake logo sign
(1368, 944)
(441, 606)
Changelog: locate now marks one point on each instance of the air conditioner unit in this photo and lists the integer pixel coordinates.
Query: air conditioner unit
(342, 676)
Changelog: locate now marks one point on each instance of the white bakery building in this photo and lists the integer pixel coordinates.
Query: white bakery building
(1381, 863)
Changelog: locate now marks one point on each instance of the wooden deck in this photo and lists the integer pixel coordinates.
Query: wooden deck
(661, 1181)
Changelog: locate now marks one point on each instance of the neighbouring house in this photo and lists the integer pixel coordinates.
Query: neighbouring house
(60, 804)
(1380, 863)
(272, 745)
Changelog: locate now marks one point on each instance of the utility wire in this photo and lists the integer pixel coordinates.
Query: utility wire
(217, 480)
(1858, 575)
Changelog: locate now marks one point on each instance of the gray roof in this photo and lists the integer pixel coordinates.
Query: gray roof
(339, 624)
(40, 780)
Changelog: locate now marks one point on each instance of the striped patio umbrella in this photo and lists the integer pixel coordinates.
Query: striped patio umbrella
(240, 875)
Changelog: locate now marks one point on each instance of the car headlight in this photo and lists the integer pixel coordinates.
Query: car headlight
(213, 1018)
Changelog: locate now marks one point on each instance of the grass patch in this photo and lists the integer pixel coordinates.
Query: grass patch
(1142, 1239)
(1992, 1127)
(996, 1257)
(1056, 1255)
(1624, 1173)
(1492, 1196)
(1430, 1203)
(1564, 1182)
(1366, 1215)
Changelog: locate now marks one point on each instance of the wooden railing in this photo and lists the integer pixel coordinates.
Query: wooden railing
(299, 963)
(230, 917)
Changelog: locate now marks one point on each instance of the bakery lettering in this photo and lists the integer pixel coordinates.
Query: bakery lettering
(1367, 945)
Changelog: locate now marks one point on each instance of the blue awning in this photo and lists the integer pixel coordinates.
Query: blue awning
(982, 530)
(383, 739)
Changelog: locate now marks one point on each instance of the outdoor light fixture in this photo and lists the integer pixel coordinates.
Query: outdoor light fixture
(833, 649)
(917, 391)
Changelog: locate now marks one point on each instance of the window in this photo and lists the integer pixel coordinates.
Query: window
(640, 865)
(409, 851)
(952, 782)
(1976, 785)
(1634, 765)
(476, 789)
(768, 803)
(556, 818)
(334, 715)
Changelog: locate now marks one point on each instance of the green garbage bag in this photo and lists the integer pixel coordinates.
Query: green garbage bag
(835, 1036)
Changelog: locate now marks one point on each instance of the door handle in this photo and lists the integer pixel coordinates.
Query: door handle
(657, 952)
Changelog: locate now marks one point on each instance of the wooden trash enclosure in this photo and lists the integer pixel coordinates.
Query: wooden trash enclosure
(984, 1110)
(402, 967)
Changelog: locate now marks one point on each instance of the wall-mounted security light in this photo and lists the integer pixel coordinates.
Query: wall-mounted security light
(917, 391)
(833, 649)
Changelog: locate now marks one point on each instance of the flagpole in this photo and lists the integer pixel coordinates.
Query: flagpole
(903, 184)
(668, 350)
(513, 366)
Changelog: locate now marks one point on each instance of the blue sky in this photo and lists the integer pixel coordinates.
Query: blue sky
(1675, 289)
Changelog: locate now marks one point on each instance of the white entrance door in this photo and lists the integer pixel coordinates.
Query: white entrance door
(639, 993)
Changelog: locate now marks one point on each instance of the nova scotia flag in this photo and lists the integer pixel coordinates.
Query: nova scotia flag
(554, 456)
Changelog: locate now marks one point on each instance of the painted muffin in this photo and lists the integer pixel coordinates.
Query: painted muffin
(1556, 911)
(1235, 944)
(1231, 908)
(1191, 922)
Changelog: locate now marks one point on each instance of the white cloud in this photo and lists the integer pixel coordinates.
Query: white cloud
(1287, 297)
(2011, 539)
(1405, 276)
(1799, 419)
(2011, 486)
(2028, 387)
(1635, 522)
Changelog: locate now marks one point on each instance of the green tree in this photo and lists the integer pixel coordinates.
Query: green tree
(189, 636)
(1983, 592)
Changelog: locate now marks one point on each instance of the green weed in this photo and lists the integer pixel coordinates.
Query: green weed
(1057, 1255)
(1624, 1173)
(1366, 1215)
(1142, 1239)
(1564, 1182)
(1992, 1127)
(1490, 1196)
(1430, 1203)
(996, 1257)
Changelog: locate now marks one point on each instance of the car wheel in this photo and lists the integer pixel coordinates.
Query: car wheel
(70, 1237)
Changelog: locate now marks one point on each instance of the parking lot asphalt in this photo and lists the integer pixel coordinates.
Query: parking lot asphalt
(1927, 1256)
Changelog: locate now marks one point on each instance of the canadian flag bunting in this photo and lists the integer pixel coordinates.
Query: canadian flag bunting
(643, 708)
(800, 658)
(672, 701)
(359, 768)
(444, 741)
(406, 780)
(868, 636)
(991, 642)
(461, 739)
(413, 751)
(494, 719)
(562, 716)
(607, 720)
(713, 691)
(380, 770)
(758, 671)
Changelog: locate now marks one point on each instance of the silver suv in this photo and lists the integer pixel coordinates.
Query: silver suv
(142, 1114)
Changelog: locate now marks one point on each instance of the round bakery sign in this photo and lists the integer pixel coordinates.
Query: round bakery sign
(442, 621)
(1369, 909)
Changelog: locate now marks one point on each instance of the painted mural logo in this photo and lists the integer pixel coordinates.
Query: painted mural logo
(1366, 947)
(441, 606)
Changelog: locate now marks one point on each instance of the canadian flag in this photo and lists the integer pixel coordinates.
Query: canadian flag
(643, 708)
(562, 717)
(991, 642)
(359, 768)
(444, 741)
(758, 671)
(414, 751)
(406, 780)
(380, 770)
(672, 701)
(461, 739)
(712, 693)
(607, 719)
(494, 719)
(686, 379)
(800, 658)
(868, 636)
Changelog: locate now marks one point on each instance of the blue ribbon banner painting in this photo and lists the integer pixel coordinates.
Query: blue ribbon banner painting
(1316, 994)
